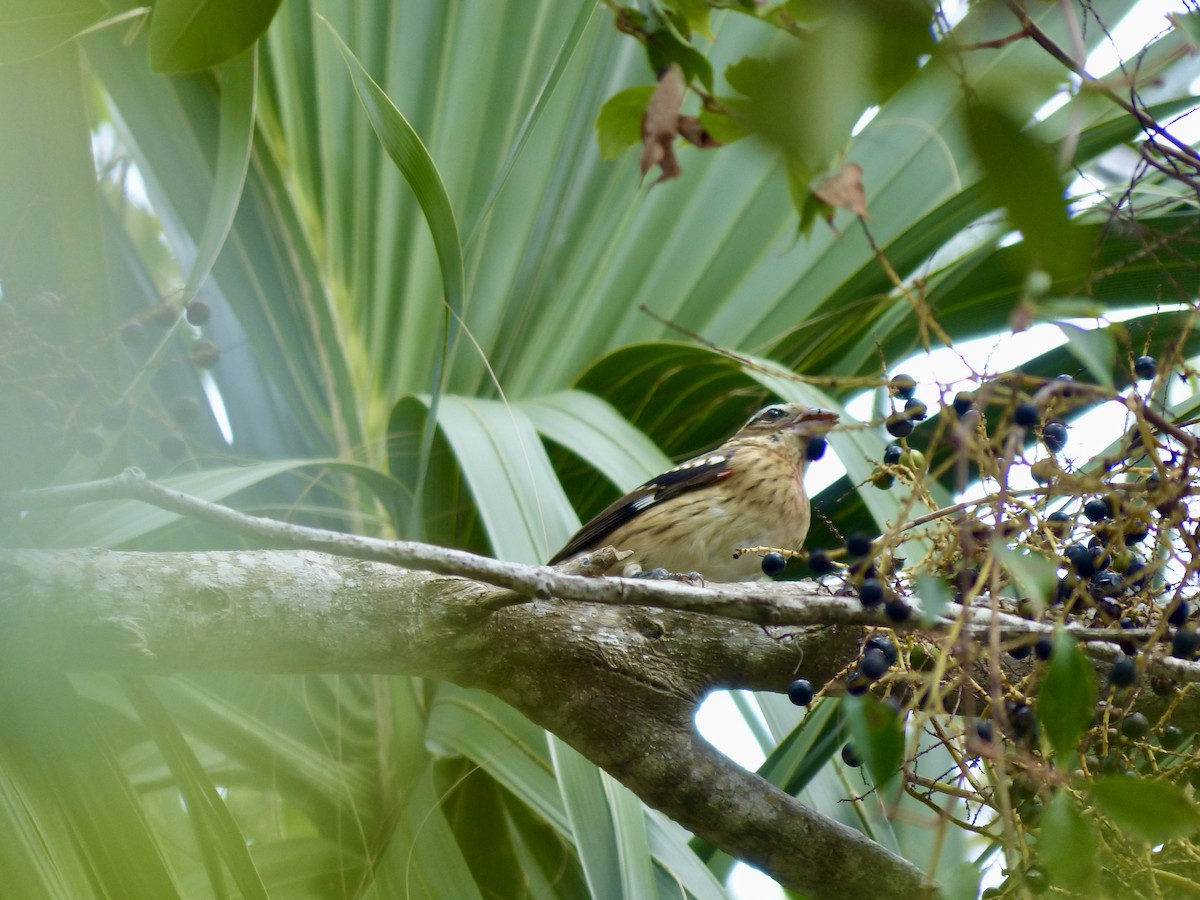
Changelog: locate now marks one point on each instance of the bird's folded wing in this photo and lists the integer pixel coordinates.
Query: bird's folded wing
(688, 476)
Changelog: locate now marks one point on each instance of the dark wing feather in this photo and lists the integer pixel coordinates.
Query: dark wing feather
(695, 473)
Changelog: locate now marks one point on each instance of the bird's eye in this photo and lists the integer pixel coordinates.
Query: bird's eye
(772, 414)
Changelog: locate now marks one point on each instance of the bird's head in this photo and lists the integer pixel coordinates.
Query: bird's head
(788, 419)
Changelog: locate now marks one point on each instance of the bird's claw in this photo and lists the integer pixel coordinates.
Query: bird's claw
(660, 574)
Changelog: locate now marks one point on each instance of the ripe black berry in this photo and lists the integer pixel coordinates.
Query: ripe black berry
(873, 664)
(1170, 737)
(814, 449)
(1179, 614)
(1145, 368)
(1106, 584)
(963, 401)
(1043, 647)
(885, 646)
(850, 756)
(800, 692)
(1026, 415)
(205, 354)
(1135, 726)
(871, 592)
(897, 610)
(1135, 529)
(983, 730)
(899, 425)
(164, 314)
(1082, 559)
(891, 454)
(858, 545)
(133, 334)
(819, 561)
(1054, 436)
(173, 448)
(1021, 651)
(856, 684)
(903, 386)
(773, 564)
(1123, 672)
(1183, 644)
(1098, 509)
(197, 312)
(916, 410)
(1059, 523)
(185, 409)
(1023, 720)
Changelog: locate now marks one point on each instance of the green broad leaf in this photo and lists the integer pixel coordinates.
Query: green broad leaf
(878, 734)
(29, 29)
(239, 84)
(496, 454)
(1189, 24)
(725, 127)
(592, 825)
(1095, 348)
(1067, 844)
(1153, 811)
(619, 122)
(218, 824)
(189, 35)
(804, 752)
(411, 157)
(592, 430)
(1066, 699)
(633, 841)
(934, 594)
(1021, 174)
(421, 858)
(1034, 575)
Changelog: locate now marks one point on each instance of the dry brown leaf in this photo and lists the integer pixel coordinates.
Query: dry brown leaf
(660, 124)
(693, 132)
(844, 190)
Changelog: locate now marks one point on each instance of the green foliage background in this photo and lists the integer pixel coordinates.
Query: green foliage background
(427, 291)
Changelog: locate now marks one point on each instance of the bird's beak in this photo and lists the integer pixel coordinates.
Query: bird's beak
(819, 417)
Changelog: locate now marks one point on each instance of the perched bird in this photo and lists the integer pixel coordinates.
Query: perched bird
(749, 492)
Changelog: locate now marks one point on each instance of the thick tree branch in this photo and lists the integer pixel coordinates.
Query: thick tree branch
(619, 684)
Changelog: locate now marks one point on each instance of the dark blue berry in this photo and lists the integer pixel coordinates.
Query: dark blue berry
(814, 449)
(983, 730)
(1135, 726)
(916, 410)
(858, 545)
(1098, 509)
(800, 692)
(873, 664)
(1026, 415)
(773, 564)
(1179, 614)
(819, 561)
(1183, 644)
(1145, 368)
(1043, 647)
(885, 646)
(850, 756)
(903, 386)
(891, 454)
(1021, 651)
(897, 610)
(871, 592)
(1054, 436)
(1123, 672)
(963, 401)
(899, 425)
